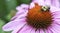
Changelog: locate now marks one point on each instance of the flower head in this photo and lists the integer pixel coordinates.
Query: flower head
(38, 17)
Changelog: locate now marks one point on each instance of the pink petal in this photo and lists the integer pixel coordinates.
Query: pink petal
(24, 29)
(56, 17)
(54, 9)
(21, 14)
(13, 24)
(56, 14)
(23, 6)
(38, 31)
(18, 17)
(33, 31)
(41, 31)
(22, 10)
(57, 21)
(32, 5)
(48, 31)
(52, 2)
(48, 2)
(55, 28)
(55, 3)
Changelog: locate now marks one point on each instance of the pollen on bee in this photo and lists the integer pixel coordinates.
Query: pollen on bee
(37, 18)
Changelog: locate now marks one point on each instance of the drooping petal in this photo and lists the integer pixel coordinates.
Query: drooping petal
(20, 16)
(21, 10)
(13, 24)
(55, 28)
(24, 29)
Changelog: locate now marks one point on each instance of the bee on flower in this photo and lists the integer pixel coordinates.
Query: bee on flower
(41, 16)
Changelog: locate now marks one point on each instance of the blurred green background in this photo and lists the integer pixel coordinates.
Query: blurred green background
(8, 10)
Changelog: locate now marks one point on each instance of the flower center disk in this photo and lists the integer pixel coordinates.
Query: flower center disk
(38, 18)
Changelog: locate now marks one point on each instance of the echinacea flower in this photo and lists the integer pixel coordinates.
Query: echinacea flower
(41, 16)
